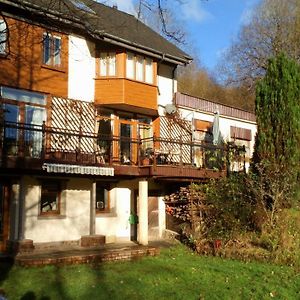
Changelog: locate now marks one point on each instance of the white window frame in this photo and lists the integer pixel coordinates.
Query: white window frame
(54, 60)
(3, 37)
(108, 64)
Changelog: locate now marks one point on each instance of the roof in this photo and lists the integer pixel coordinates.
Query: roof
(107, 24)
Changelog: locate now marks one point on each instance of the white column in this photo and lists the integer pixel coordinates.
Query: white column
(15, 197)
(93, 209)
(161, 216)
(143, 213)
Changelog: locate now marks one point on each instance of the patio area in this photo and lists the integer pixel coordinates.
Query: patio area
(66, 255)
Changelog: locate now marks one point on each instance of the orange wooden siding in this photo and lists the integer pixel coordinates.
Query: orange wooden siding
(125, 91)
(23, 67)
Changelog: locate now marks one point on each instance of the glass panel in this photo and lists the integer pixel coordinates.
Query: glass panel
(3, 36)
(34, 116)
(11, 114)
(22, 95)
(49, 197)
(104, 140)
(145, 132)
(57, 51)
(103, 62)
(102, 202)
(149, 71)
(125, 135)
(112, 64)
(140, 68)
(1, 211)
(130, 66)
(47, 49)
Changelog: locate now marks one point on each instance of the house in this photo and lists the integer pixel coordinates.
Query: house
(93, 130)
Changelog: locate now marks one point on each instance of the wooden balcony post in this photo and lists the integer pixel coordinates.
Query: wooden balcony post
(43, 140)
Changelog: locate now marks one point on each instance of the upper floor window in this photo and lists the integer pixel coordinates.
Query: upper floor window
(139, 68)
(3, 36)
(107, 64)
(51, 50)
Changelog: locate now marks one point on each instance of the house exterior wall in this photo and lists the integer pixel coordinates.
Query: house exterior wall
(167, 84)
(23, 66)
(82, 69)
(71, 224)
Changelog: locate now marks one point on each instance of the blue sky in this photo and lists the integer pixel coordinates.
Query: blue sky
(212, 24)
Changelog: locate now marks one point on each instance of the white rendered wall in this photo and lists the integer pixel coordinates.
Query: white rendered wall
(224, 123)
(166, 84)
(115, 225)
(81, 83)
(70, 225)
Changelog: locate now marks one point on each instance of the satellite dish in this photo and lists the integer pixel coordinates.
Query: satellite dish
(170, 109)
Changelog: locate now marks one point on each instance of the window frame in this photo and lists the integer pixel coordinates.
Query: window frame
(107, 57)
(58, 198)
(3, 41)
(146, 61)
(52, 38)
(107, 189)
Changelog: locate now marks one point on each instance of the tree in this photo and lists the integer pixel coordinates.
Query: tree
(273, 28)
(277, 152)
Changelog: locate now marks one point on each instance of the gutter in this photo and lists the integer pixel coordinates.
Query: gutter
(96, 34)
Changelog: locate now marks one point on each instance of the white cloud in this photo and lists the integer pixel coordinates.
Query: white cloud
(124, 5)
(193, 11)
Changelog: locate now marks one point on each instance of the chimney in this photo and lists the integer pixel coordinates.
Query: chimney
(115, 6)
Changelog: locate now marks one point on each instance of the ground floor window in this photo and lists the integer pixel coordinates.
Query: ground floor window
(50, 198)
(102, 198)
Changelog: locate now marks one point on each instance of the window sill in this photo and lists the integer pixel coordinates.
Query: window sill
(51, 216)
(105, 214)
(52, 68)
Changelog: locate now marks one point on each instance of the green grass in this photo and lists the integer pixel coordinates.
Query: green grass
(176, 274)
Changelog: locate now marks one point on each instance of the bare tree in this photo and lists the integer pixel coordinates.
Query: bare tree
(273, 28)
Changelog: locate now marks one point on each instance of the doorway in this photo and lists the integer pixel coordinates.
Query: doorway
(4, 216)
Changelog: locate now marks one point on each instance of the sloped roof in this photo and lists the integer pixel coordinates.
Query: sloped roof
(108, 24)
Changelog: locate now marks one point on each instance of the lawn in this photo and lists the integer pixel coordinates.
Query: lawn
(176, 274)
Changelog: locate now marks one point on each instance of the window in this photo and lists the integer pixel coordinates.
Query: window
(108, 64)
(139, 68)
(102, 198)
(50, 198)
(3, 36)
(24, 107)
(51, 50)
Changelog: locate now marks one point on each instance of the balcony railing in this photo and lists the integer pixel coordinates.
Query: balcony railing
(57, 145)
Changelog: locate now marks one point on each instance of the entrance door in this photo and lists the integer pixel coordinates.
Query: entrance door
(3, 216)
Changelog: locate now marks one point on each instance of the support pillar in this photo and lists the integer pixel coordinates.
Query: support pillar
(93, 209)
(15, 210)
(143, 212)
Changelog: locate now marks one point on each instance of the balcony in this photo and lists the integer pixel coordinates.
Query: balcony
(24, 146)
(123, 93)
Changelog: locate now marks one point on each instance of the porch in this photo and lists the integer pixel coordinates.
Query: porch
(26, 146)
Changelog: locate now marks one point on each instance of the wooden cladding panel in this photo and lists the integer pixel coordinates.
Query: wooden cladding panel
(125, 91)
(23, 67)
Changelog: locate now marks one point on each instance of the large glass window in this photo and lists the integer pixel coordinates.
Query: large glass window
(3, 36)
(107, 64)
(23, 107)
(50, 198)
(139, 68)
(51, 50)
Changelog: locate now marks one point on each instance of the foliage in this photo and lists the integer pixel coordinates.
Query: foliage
(175, 274)
(273, 27)
(277, 154)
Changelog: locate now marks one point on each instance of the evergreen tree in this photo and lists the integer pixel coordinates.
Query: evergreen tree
(277, 107)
